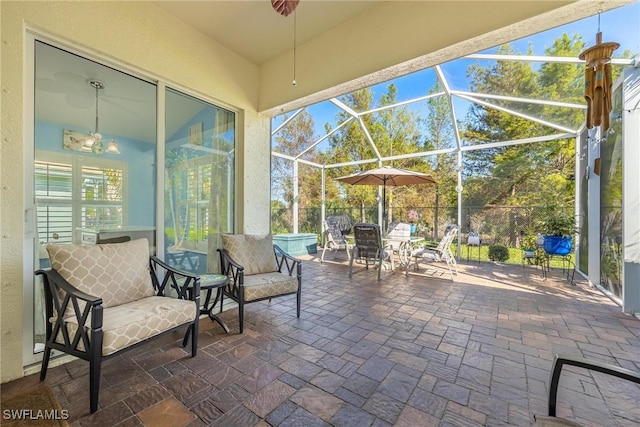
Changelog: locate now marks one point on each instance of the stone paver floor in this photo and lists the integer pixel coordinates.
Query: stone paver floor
(405, 351)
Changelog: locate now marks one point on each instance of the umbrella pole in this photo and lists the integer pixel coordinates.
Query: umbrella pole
(384, 207)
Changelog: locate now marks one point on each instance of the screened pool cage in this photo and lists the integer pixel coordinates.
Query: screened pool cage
(607, 247)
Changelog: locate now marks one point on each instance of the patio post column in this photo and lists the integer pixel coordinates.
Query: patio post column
(459, 191)
(322, 203)
(295, 196)
(381, 203)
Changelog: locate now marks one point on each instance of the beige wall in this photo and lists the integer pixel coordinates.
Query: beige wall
(147, 39)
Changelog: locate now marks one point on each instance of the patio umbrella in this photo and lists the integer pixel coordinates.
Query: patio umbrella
(387, 175)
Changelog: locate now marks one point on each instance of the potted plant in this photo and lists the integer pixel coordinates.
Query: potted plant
(529, 244)
(532, 247)
(413, 216)
(558, 229)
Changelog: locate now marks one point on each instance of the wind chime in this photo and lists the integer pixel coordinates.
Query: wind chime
(598, 81)
(285, 8)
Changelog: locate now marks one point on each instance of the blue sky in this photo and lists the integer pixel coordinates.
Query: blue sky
(621, 25)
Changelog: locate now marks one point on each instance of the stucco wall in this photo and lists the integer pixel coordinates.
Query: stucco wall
(152, 42)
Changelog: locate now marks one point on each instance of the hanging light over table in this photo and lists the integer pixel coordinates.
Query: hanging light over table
(93, 142)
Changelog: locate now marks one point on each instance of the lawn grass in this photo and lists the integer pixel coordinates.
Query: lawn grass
(481, 253)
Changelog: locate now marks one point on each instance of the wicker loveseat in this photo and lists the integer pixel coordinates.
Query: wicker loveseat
(104, 299)
(258, 270)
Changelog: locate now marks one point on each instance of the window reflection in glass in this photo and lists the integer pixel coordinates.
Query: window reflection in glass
(199, 181)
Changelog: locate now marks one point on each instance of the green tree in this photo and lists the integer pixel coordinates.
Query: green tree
(294, 138)
(395, 131)
(524, 174)
(440, 135)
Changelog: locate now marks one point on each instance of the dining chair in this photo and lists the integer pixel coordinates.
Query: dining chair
(334, 240)
(441, 253)
(368, 248)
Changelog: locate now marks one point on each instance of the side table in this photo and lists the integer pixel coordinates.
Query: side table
(478, 248)
(209, 282)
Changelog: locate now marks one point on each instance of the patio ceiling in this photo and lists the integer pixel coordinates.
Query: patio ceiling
(373, 41)
(447, 76)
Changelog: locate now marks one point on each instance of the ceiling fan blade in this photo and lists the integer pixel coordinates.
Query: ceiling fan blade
(80, 101)
(122, 107)
(124, 98)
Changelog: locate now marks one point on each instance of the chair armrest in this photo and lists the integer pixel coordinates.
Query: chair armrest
(291, 263)
(430, 245)
(561, 360)
(186, 284)
(60, 295)
(233, 270)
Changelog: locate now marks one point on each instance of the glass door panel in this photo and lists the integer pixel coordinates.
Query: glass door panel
(199, 181)
(611, 259)
(79, 189)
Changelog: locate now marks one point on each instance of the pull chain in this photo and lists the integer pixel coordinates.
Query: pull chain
(295, 14)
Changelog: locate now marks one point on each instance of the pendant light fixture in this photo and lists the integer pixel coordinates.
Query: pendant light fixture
(94, 142)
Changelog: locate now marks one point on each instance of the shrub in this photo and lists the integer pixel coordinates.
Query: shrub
(498, 253)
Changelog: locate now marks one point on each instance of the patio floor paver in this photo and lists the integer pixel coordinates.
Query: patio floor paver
(406, 350)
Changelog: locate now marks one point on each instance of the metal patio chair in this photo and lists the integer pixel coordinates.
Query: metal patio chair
(441, 253)
(552, 420)
(334, 240)
(368, 248)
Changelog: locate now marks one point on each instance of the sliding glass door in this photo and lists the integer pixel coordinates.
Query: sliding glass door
(92, 170)
(94, 159)
(199, 181)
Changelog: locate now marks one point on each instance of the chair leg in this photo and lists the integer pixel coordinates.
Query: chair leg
(45, 363)
(323, 251)
(95, 362)
(241, 314)
(353, 256)
(94, 381)
(298, 301)
(194, 337)
(185, 340)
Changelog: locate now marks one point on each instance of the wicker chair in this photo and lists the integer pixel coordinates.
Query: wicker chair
(368, 248)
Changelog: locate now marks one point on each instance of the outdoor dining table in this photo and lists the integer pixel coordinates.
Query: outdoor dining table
(404, 249)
